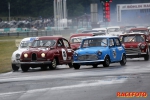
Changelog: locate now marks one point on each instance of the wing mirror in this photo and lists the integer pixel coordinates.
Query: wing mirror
(51, 47)
(147, 40)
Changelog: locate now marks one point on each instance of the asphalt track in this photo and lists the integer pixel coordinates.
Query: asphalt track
(87, 83)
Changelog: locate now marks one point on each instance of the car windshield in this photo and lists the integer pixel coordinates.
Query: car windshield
(133, 38)
(43, 43)
(141, 31)
(96, 42)
(78, 39)
(25, 44)
(113, 30)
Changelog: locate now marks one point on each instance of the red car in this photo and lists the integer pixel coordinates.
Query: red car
(76, 39)
(142, 30)
(47, 51)
(136, 45)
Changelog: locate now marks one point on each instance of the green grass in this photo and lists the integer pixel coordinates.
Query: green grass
(9, 38)
(6, 50)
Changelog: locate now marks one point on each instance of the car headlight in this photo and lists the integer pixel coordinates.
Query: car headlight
(25, 55)
(142, 46)
(99, 53)
(75, 54)
(43, 55)
(17, 56)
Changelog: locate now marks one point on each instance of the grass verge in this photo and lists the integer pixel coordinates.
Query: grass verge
(7, 47)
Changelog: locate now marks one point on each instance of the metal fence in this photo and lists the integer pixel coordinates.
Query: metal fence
(65, 33)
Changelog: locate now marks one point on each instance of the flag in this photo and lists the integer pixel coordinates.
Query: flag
(8, 5)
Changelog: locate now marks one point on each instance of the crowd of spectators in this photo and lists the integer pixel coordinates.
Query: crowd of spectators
(29, 22)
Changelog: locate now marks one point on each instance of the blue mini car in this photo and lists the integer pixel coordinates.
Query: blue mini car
(99, 50)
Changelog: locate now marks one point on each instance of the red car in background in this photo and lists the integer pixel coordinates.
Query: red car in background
(76, 39)
(136, 45)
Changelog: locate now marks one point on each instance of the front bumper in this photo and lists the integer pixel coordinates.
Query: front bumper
(89, 62)
(36, 63)
(136, 55)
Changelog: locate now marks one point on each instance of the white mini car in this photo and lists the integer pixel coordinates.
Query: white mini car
(23, 46)
(114, 31)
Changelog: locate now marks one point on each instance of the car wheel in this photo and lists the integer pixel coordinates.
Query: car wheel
(14, 67)
(146, 57)
(76, 66)
(70, 65)
(24, 68)
(106, 62)
(123, 61)
(44, 68)
(53, 64)
(95, 66)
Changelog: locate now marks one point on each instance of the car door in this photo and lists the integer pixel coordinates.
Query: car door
(113, 53)
(119, 49)
(62, 51)
(68, 50)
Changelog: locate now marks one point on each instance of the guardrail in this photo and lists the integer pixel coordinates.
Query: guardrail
(65, 33)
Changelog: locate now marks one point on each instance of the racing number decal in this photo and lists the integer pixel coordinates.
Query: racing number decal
(114, 53)
(64, 54)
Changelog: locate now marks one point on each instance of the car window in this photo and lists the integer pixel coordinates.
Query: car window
(66, 43)
(60, 43)
(111, 43)
(95, 42)
(78, 39)
(25, 44)
(43, 43)
(133, 38)
(117, 42)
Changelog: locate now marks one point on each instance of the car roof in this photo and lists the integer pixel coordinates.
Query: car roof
(49, 37)
(82, 34)
(139, 29)
(28, 38)
(113, 27)
(102, 37)
(134, 33)
(99, 29)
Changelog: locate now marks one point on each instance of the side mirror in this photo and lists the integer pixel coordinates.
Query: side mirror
(51, 47)
(147, 40)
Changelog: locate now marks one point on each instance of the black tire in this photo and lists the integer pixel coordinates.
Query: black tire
(106, 62)
(53, 65)
(14, 67)
(44, 68)
(146, 57)
(76, 66)
(123, 61)
(95, 66)
(24, 68)
(70, 65)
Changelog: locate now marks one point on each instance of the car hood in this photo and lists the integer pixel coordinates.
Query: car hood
(131, 44)
(40, 50)
(91, 50)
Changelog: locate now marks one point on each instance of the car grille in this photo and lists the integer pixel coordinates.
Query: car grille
(87, 57)
(34, 56)
(132, 50)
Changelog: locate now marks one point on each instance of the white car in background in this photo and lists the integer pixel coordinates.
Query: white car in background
(101, 29)
(114, 31)
(23, 46)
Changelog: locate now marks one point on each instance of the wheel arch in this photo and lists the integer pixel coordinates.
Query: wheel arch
(107, 55)
(123, 54)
